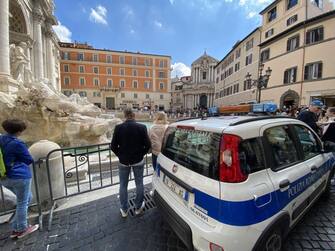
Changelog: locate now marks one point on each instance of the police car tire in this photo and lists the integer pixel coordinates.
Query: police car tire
(273, 241)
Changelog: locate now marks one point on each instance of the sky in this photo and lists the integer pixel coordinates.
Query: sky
(182, 29)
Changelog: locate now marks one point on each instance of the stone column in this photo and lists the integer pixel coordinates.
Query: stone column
(212, 73)
(50, 58)
(4, 38)
(195, 74)
(199, 75)
(38, 46)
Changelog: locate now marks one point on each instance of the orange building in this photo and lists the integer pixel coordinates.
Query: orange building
(115, 79)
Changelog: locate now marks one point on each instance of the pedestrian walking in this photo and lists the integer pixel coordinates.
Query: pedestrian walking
(18, 176)
(310, 115)
(130, 143)
(329, 127)
(156, 134)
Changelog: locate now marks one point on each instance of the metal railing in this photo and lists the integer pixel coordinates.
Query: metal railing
(71, 171)
(84, 169)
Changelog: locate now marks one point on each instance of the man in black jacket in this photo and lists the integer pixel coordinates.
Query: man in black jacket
(310, 115)
(130, 143)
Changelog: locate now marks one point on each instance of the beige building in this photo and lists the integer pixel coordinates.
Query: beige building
(298, 42)
(177, 96)
(116, 79)
(231, 87)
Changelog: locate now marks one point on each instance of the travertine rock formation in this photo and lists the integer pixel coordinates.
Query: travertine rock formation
(53, 116)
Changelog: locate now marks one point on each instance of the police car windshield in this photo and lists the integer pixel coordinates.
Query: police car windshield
(195, 150)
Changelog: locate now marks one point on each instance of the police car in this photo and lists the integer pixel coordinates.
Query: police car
(240, 182)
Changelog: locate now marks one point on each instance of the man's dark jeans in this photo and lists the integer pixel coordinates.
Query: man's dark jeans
(124, 172)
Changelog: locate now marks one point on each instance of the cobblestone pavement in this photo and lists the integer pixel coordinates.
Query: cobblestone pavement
(98, 226)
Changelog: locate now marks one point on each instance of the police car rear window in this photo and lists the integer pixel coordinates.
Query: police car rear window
(195, 150)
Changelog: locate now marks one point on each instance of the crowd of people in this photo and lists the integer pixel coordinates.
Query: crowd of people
(130, 143)
(320, 119)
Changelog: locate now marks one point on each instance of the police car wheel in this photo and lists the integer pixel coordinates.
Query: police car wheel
(274, 241)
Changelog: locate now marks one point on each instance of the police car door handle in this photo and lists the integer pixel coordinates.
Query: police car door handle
(313, 169)
(284, 184)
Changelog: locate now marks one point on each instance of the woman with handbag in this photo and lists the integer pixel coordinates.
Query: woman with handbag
(156, 135)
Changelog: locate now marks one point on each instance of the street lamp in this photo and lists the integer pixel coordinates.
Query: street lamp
(261, 82)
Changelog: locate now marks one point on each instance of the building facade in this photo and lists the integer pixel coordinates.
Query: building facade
(177, 96)
(297, 42)
(115, 79)
(28, 45)
(231, 86)
(294, 41)
(195, 91)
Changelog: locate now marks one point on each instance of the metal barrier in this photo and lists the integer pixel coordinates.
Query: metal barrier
(6, 211)
(86, 169)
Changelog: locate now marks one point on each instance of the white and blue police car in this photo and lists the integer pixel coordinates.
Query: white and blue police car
(240, 183)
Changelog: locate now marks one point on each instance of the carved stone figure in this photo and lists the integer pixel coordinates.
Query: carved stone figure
(19, 61)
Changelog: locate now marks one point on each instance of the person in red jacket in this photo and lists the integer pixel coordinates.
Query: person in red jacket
(18, 176)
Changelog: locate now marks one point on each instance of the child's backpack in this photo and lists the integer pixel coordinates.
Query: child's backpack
(2, 166)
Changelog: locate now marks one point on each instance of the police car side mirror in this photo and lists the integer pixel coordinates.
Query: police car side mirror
(328, 147)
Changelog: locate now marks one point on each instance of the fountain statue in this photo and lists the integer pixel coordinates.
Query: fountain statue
(48, 113)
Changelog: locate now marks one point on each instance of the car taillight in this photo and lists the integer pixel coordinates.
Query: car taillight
(230, 168)
(214, 247)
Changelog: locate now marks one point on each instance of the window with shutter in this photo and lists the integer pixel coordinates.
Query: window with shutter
(314, 35)
(313, 71)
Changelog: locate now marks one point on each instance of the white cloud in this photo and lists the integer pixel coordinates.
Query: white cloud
(251, 14)
(63, 33)
(98, 15)
(158, 24)
(180, 69)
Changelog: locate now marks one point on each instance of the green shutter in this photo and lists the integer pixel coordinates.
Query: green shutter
(286, 77)
(319, 70)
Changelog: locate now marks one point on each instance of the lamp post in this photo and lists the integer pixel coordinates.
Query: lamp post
(261, 82)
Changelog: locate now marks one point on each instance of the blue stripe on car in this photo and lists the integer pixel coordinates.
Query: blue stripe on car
(243, 213)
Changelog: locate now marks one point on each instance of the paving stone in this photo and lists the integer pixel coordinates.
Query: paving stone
(98, 226)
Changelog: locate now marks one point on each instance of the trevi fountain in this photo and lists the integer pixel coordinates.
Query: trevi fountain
(30, 86)
(30, 81)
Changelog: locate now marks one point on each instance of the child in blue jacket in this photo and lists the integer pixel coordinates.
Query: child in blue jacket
(18, 176)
